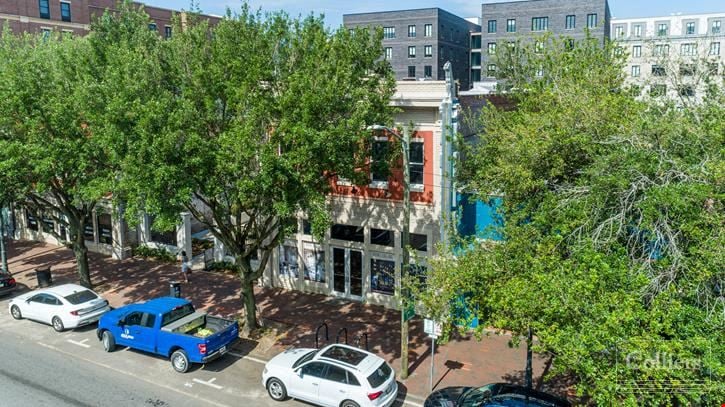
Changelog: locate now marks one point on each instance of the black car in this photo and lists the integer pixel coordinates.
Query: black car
(7, 283)
(492, 395)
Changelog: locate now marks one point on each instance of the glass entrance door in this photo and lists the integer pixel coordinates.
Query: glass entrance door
(347, 272)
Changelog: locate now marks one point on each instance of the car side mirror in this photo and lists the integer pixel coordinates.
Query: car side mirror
(120, 322)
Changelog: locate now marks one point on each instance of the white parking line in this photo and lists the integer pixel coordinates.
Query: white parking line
(209, 383)
(194, 396)
(252, 358)
(81, 343)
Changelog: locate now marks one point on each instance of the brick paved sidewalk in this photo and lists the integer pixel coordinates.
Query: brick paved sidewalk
(294, 314)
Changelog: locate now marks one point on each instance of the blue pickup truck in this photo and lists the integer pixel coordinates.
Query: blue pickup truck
(169, 327)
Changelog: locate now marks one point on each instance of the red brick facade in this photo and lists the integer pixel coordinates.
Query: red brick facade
(394, 190)
(25, 16)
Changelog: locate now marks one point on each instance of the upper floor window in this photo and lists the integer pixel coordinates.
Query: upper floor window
(714, 48)
(715, 27)
(635, 71)
(539, 23)
(636, 51)
(65, 11)
(411, 71)
(661, 50)
(415, 165)
(167, 32)
(662, 29)
(428, 30)
(152, 27)
(411, 31)
(428, 71)
(491, 26)
(44, 6)
(491, 48)
(658, 70)
(388, 53)
(491, 70)
(619, 31)
(475, 58)
(570, 22)
(511, 25)
(688, 49)
(388, 32)
(475, 41)
(637, 30)
(591, 20)
(377, 163)
(690, 28)
(428, 51)
(411, 52)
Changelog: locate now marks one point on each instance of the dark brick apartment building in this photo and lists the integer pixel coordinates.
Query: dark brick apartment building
(74, 15)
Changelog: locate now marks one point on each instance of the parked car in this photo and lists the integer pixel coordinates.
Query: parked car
(64, 307)
(7, 283)
(334, 376)
(493, 395)
(169, 327)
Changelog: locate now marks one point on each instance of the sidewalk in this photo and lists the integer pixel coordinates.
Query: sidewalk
(294, 314)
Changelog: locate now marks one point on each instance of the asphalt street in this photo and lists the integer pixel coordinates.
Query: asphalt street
(39, 367)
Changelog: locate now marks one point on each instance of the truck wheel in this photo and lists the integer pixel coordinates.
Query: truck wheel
(276, 389)
(180, 361)
(109, 343)
(57, 324)
(15, 312)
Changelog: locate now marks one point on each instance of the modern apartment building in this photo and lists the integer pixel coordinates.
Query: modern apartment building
(75, 16)
(506, 22)
(671, 56)
(419, 42)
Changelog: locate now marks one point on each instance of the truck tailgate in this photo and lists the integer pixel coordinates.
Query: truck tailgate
(223, 337)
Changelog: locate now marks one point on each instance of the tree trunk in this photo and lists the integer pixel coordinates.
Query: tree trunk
(250, 307)
(81, 253)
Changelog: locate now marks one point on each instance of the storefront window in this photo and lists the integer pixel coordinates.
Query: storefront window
(347, 232)
(288, 262)
(88, 231)
(314, 261)
(105, 229)
(382, 237)
(418, 242)
(48, 224)
(382, 276)
(32, 222)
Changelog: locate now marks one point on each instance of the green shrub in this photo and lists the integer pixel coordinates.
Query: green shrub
(157, 253)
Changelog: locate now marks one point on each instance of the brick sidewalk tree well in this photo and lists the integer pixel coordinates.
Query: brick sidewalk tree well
(247, 126)
(63, 102)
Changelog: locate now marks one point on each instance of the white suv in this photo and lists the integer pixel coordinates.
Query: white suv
(334, 376)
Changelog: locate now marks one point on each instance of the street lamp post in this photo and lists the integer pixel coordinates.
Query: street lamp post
(405, 242)
(3, 253)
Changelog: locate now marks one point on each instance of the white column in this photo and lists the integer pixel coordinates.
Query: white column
(219, 251)
(118, 233)
(144, 230)
(183, 234)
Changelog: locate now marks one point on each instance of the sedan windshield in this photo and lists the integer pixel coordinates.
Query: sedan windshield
(307, 356)
(81, 296)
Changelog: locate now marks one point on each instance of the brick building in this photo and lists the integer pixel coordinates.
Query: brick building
(75, 16)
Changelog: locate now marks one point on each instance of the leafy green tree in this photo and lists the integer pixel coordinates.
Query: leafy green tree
(613, 228)
(67, 105)
(258, 114)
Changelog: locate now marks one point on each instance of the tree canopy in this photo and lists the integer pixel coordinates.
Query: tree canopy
(249, 122)
(613, 228)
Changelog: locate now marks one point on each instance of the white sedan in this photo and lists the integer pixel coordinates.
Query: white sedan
(64, 307)
(334, 376)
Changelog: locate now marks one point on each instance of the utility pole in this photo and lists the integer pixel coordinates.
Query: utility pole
(405, 242)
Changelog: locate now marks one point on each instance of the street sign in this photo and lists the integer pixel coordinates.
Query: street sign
(408, 313)
(432, 328)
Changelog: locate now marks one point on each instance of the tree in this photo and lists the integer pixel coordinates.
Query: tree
(613, 228)
(67, 105)
(259, 113)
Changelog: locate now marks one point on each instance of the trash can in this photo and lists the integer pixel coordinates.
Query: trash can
(45, 279)
(175, 289)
